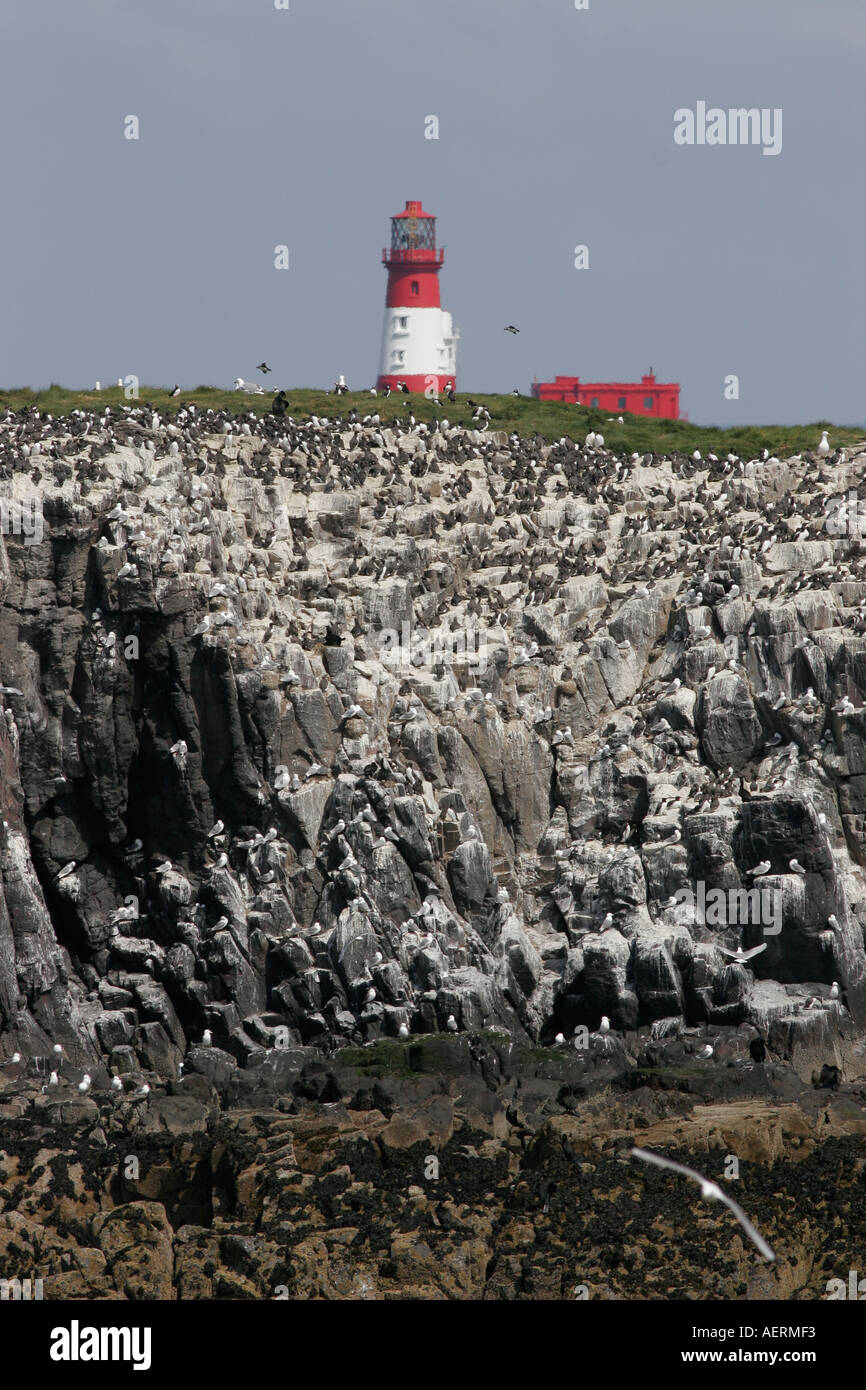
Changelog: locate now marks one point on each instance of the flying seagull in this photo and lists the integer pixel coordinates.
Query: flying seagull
(509, 328)
(741, 955)
(263, 367)
(710, 1191)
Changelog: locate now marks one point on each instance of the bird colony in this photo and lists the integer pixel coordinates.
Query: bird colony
(236, 816)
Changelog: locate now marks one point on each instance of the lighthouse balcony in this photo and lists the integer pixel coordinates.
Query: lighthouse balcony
(417, 255)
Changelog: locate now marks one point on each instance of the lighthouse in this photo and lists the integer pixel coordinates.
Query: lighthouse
(419, 343)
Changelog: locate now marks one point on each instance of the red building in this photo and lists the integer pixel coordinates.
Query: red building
(646, 397)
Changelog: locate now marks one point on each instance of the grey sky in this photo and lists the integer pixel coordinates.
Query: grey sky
(259, 127)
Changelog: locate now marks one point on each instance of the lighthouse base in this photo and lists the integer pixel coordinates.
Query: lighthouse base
(434, 381)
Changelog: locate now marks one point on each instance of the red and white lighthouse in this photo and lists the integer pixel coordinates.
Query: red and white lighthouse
(419, 342)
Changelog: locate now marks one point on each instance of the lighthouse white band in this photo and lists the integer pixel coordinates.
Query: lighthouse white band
(416, 342)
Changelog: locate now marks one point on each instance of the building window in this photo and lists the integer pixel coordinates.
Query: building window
(416, 288)
(594, 401)
(397, 357)
(403, 322)
(648, 402)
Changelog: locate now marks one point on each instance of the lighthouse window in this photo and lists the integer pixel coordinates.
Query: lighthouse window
(647, 402)
(416, 288)
(594, 400)
(403, 322)
(621, 402)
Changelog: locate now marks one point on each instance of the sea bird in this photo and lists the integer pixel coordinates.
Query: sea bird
(710, 1191)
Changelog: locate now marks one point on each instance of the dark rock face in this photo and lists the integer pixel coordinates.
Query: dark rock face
(445, 1167)
(729, 726)
(237, 800)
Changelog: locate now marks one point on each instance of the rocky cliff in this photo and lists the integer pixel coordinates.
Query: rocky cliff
(320, 734)
(440, 1171)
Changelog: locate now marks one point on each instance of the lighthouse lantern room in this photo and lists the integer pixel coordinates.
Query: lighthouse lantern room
(419, 342)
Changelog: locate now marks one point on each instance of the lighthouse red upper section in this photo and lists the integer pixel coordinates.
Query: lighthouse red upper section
(412, 260)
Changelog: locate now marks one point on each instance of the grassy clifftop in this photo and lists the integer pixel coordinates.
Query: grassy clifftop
(528, 416)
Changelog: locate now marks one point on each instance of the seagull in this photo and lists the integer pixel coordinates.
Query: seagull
(216, 830)
(207, 1038)
(263, 368)
(451, 1023)
(84, 1084)
(741, 955)
(796, 867)
(509, 328)
(403, 1031)
(116, 1083)
(834, 990)
(824, 446)
(759, 869)
(706, 1051)
(143, 1092)
(710, 1191)
(559, 1040)
(67, 869)
(604, 1026)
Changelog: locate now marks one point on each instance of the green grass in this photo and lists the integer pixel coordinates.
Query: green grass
(386, 1057)
(528, 416)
